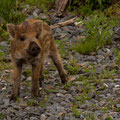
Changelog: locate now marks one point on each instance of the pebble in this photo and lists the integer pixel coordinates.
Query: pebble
(43, 117)
(6, 102)
(33, 118)
(118, 105)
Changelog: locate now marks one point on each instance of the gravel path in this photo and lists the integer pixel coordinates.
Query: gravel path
(93, 92)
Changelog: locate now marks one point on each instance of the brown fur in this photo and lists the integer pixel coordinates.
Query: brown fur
(40, 33)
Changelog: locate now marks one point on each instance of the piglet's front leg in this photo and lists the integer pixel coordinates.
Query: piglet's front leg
(16, 77)
(36, 69)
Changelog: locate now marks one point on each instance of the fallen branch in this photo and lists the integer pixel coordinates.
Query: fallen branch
(63, 23)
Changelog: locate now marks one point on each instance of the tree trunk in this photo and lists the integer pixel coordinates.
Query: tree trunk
(60, 5)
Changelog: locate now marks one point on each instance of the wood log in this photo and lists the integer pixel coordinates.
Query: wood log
(67, 22)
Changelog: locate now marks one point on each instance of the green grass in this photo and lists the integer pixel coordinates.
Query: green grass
(109, 118)
(76, 112)
(2, 116)
(113, 10)
(63, 52)
(117, 53)
(5, 9)
(73, 70)
(86, 47)
(44, 4)
(9, 11)
(27, 72)
(3, 33)
(51, 90)
(88, 7)
(117, 109)
(34, 102)
(27, 83)
(98, 33)
(107, 74)
(4, 66)
(31, 103)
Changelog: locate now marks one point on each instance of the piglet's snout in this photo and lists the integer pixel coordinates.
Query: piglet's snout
(34, 49)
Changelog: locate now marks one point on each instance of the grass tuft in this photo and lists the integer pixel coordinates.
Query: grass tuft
(98, 33)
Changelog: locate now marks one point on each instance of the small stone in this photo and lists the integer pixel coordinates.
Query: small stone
(52, 118)
(78, 56)
(69, 97)
(105, 85)
(23, 78)
(58, 30)
(36, 10)
(100, 52)
(66, 118)
(80, 23)
(62, 35)
(29, 79)
(4, 43)
(92, 94)
(118, 105)
(117, 86)
(91, 58)
(21, 114)
(9, 118)
(1, 102)
(15, 106)
(54, 20)
(30, 17)
(60, 109)
(84, 64)
(63, 103)
(35, 14)
(43, 117)
(80, 38)
(6, 102)
(43, 16)
(26, 119)
(4, 88)
(33, 118)
(100, 56)
(59, 95)
(23, 104)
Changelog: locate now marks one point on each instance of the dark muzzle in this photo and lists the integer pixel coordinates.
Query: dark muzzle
(34, 49)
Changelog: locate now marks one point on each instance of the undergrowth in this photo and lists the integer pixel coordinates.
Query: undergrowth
(44, 4)
(98, 33)
(117, 53)
(10, 11)
(86, 7)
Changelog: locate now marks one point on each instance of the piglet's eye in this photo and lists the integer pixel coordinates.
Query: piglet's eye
(37, 36)
(22, 39)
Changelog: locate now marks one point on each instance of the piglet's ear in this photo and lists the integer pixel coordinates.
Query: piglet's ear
(11, 30)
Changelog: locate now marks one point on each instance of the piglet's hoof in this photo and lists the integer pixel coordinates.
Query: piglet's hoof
(64, 79)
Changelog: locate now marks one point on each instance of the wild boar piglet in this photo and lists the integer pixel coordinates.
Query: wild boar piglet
(31, 42)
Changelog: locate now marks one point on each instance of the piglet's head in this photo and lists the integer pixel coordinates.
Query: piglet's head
(25, 39)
